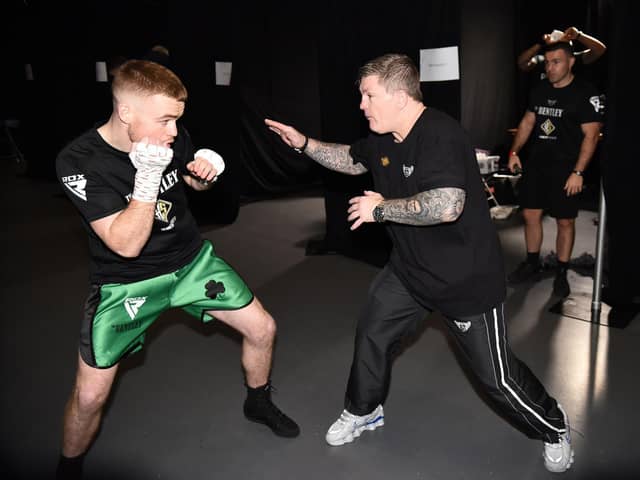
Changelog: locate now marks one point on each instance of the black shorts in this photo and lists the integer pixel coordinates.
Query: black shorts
(542, 187)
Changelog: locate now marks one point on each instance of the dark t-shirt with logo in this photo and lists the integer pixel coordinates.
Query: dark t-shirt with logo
(98, 179)
(560, 112)
(456, 267)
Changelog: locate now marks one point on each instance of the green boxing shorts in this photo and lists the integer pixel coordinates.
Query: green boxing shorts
(117, 315)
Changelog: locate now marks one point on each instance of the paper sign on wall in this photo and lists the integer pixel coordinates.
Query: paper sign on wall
(223, 73)
(439, 64)
(101, 72)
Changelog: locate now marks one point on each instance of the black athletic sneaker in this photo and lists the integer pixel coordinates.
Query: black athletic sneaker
(561, 285)
(524, 272)
(262, 410)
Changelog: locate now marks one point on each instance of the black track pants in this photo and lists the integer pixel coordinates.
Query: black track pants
(391, 313)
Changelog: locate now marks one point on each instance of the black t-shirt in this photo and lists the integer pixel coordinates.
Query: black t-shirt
(560, 112)
(99, 181)
(456, 267)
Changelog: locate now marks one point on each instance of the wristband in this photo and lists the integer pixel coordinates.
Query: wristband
(304, 145)
(577, 172)
(213, 158)
(513, 154)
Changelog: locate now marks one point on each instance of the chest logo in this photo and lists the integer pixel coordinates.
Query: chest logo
(162, 210)
(407, 171)
(597, 103)
(384, 161)
(548, 127)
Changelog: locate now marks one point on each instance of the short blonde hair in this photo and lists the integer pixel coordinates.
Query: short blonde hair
(396, 72)
(147, 78)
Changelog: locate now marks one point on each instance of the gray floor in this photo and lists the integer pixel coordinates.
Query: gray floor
(175, 412)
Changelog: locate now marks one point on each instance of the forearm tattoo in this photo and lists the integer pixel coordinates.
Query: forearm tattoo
(435, 206)
(335, 157)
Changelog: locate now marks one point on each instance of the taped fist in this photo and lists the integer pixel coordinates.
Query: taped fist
(150, 161)
(209, 170)
(148, 155)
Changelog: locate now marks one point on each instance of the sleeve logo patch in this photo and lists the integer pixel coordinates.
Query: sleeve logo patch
(76, 185)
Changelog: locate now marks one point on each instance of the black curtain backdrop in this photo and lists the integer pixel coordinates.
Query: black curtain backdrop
(62, 41)
(488, 99)
(620, 166)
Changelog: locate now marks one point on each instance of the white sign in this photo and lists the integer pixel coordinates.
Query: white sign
(223, 73)
(439, 64)
(101, 72)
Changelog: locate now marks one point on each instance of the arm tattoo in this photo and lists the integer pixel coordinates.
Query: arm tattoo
(335, 157)
(440, 205)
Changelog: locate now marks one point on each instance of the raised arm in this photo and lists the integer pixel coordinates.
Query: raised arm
(127, 231)
(594, 47)
(528, 59)
(330, 155)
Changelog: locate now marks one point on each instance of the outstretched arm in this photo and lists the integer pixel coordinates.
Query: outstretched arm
(440, 205)
(330, 155)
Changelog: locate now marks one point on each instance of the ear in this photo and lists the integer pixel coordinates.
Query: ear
(401, 98)
(125, 112)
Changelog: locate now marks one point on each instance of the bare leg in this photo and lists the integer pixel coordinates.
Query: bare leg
(258, 330)
(565, 237)
(532, 229)
(83, 411)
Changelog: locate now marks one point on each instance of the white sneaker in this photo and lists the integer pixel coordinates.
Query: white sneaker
(558, 457)
(349, 426)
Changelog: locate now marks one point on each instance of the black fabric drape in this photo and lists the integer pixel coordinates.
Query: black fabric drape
(488, 74)
(620, 165)
(275, 75)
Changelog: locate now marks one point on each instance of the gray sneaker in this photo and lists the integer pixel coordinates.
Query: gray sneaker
(349, 426)
(558, 457)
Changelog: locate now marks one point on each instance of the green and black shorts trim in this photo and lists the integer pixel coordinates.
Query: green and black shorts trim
(117, 315)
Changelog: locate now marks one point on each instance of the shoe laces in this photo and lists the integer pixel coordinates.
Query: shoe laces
(268, 403)
(348, 418)
(556, 447)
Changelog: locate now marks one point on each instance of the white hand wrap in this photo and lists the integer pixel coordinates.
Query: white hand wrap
(150, 162)
(213, 158)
